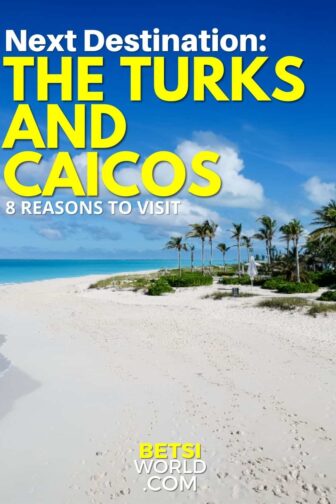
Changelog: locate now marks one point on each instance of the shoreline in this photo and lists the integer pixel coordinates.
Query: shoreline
(172, 265)
(92, 277)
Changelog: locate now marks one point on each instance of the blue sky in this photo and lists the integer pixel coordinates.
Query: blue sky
(280, 157)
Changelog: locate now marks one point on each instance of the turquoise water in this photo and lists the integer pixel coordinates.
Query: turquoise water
(22, 270)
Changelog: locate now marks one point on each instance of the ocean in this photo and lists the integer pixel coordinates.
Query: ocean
(28, 270)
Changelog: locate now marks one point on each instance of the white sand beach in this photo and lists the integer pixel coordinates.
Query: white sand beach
(93, 373)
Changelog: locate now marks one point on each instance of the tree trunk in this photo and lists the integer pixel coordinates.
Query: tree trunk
(179, 261)
(268, 253)
(210, 240)
(202, 255)
(270, 256)
(297, 261)
(224, 262)
(191, 260)
(239, 265)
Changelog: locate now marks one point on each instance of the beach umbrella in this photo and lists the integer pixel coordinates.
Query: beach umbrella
(252, 269)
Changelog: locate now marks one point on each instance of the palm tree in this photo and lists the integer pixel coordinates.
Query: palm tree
(296, 230)
(223, 248)
(236, 234)
(247, 243)
(199, 231)
(176, 242)
(192, 251)
(211, 228)
(266, 233)
(326, 219)
(321, 250)
(287, 265)
(285, 229)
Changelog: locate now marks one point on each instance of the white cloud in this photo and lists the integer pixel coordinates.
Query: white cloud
(237, 190)
(279, 213)
(5, 196)
(170, 224)
(60, 230)
(319, 192)
(188, 212)
(50, 233)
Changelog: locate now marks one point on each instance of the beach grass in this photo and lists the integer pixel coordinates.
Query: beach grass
(160, 282)
(284, 303)
(136, 282)
(128, 282)
(321, 308)
(220, 295)
(293, 303)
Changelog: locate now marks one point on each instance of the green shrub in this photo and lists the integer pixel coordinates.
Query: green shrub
(188, 279)
(158, 287)
(225, 273)
(323, 278)
(258, 281)
(273, 283)
(297, 288)
(228, 280)
(283, 304)
(243, 280)
(328, 296)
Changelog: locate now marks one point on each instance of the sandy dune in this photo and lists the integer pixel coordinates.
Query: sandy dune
(93, 373)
